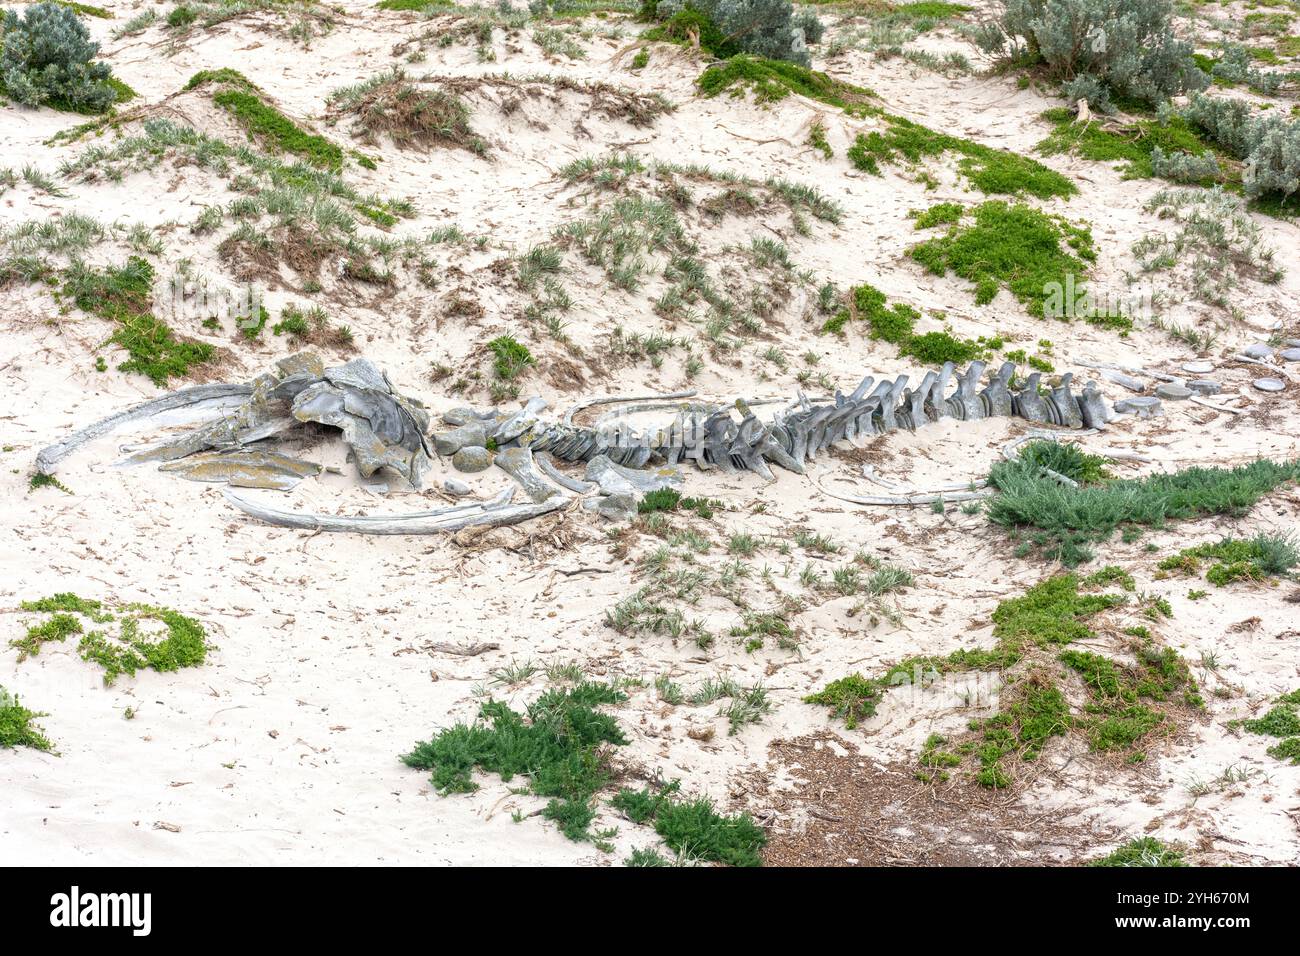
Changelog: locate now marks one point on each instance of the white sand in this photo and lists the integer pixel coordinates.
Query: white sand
(284, 747)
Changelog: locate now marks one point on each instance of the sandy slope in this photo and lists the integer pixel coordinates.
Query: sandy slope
(284, 747)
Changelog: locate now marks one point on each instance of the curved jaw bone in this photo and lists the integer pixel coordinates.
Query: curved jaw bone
(439, 521)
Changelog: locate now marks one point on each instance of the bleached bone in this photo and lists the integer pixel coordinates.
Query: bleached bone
(440, 521)
(53, 454)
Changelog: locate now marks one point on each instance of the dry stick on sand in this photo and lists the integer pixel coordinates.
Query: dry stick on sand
(464, 650)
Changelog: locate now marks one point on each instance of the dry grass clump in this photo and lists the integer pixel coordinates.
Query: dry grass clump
(604, 99)
(389, 105)
(256, 255)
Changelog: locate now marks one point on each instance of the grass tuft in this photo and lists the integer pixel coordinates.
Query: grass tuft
(1144, 851)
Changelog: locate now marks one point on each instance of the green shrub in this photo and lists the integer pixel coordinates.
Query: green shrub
(1016, 246)
(1268, 144)
(16, 727)
(510, 357)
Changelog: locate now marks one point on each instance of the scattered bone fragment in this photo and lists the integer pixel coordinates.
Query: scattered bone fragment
(470, 434)
(455, 487)
(245, 469)
(1173, 392)
(1143, 406)
(518, 464)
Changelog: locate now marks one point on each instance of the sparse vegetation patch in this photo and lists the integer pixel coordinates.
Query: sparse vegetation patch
(1234, 559)
(156, 638)
(389, 105)
(18, 727)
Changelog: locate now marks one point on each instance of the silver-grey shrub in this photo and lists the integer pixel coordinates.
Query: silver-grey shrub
(1183, 167)
(1098, 49)
(767, 28)
(1234, 66)
(1268, 144)
(47, 57)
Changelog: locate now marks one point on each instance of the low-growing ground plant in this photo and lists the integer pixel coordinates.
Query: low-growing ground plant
(509, 357)
(18, 727)
(563, 744)
(1142, 851)
(1063, 521)
(1127, 703)
(692, 828)
(1014, 246)
(1235, 559)
(1282, 721)
(770, 81)
(669, 499)
(896, 324)
(1146, 147)
(151, 637)
(41, 480)
(992, 171)
(124, 295)
(263, 121)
